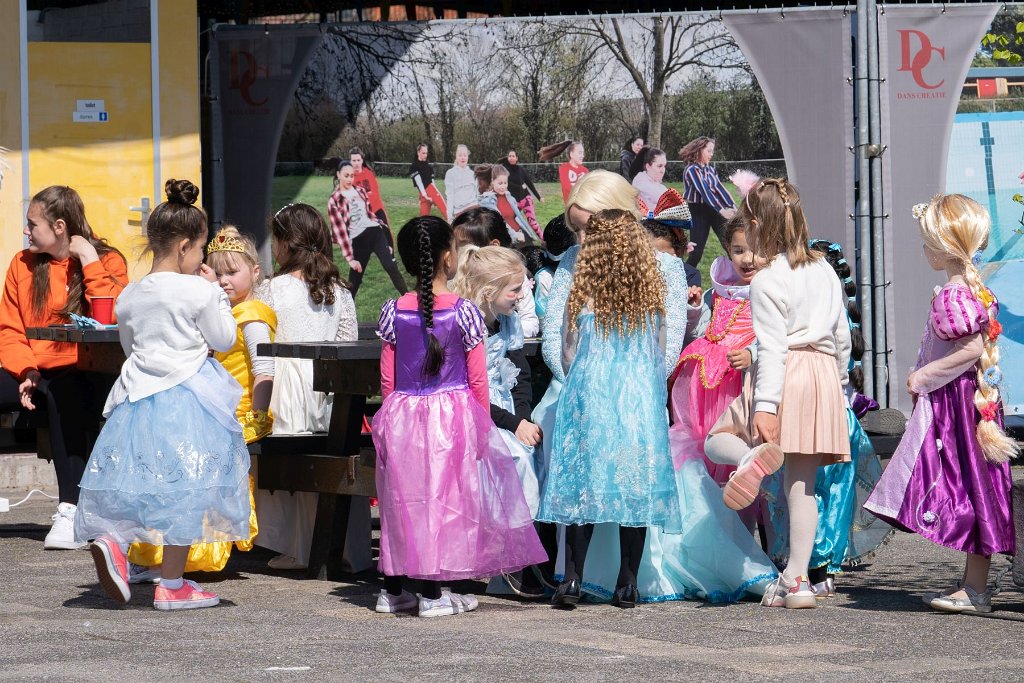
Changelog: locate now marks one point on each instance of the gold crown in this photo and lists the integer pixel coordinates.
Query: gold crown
(225, 243)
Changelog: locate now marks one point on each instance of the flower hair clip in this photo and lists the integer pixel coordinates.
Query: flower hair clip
(918, 210)
(994, 330)
(989, 412)
(993, 376)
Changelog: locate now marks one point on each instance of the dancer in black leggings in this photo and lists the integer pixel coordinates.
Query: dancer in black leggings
(710, 203)
(358, 231)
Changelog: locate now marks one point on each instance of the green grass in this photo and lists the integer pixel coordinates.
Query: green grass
(402, 204)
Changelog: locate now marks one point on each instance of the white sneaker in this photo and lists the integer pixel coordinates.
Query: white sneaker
(449, 603)
(62, 534)
(138, 573)
(389, 604)
(284, 562)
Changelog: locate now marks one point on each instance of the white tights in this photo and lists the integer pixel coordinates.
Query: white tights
(800, 475)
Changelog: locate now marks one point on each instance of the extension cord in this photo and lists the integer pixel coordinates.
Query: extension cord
(6, 505)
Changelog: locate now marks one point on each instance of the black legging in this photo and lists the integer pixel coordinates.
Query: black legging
(73, 401)
(705, 219)
(374, 240)
(631, 551)
(431, 590)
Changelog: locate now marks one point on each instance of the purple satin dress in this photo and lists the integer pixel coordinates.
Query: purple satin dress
(938, 483)
(451, 503)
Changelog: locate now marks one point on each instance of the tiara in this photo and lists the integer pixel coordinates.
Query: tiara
(226, 243)
(919, 210)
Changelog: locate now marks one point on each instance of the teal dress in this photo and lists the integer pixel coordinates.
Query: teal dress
(610, 451)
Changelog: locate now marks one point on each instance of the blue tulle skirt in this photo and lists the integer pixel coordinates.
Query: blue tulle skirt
(171, 468)
(715, 558)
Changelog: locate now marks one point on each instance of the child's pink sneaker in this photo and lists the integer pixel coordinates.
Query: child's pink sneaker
(111, 568)
(745, 483)
(189, 596)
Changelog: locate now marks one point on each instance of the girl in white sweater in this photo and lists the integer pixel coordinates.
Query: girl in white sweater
(170, 466)
(799, 410)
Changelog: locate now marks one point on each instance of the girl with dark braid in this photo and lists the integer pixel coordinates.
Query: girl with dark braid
(451, 503)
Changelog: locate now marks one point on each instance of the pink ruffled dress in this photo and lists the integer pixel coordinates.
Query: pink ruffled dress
(451, 503)
(704, 384)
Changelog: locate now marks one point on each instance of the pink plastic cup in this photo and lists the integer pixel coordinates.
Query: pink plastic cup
(103, 309)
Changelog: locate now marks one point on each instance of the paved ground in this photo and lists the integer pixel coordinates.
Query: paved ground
(55, 624)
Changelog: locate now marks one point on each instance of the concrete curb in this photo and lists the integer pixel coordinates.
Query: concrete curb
(25, 471)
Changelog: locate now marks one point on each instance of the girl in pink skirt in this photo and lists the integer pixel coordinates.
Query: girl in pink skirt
(451, 503)
(798, 411)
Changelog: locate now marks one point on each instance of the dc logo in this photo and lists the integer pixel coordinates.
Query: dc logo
(915, 61)
(244, 72)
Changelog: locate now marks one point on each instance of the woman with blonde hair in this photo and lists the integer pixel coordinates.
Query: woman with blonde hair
(949, 479)
(610, 464)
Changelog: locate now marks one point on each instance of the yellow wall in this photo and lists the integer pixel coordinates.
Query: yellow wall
(179, 91)
(11, 219)
(111, 164)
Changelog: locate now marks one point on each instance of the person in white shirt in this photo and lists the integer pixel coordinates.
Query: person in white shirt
(460, 185)
(799, 407)
(649, 181)
(170, 466)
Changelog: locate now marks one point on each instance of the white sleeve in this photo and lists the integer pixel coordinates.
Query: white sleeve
(527, 309)
(215, 321)
(348, 325)
(254, 333)
(843, 343)
(768, 308)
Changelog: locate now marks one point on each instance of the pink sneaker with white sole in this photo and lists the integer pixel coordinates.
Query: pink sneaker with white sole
(111, 568)
(189, 596)
(745, 483)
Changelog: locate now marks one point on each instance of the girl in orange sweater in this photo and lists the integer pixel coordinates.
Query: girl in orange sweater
(63, 269)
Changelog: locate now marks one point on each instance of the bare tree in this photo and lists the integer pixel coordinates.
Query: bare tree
(654, 49)
(548, 75)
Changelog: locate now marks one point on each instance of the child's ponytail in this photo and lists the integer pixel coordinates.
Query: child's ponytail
(425, 285)
(995, 444)
(421, 243)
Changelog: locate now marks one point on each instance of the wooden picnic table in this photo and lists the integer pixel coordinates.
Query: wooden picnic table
(99, 350)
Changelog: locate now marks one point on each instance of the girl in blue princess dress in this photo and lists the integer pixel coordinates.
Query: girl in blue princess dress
(170, 466)
(611, 459)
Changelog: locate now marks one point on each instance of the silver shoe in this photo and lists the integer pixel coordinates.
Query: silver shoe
(974, 602)
(928, 597)
(824, 589)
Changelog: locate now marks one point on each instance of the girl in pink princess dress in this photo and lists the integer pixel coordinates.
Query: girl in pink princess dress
(451, 503)
(949, 479)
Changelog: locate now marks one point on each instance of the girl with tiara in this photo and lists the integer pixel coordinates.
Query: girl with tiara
(170, 466)
(846, 533)
(949, 479)
(610, 456)
(451, 503)
(797, 413)
(492, 278)
(312, 304)
(234, 261)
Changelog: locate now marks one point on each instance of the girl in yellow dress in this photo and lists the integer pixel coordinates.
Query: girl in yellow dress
(233, 258)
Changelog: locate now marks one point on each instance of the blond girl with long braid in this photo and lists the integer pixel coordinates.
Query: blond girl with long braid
(949, 479)
(610, 452)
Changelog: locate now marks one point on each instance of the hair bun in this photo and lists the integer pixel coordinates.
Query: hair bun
(181, 192)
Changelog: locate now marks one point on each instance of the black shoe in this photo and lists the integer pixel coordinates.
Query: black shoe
(625, 596)
(524, 584)
(567, 594)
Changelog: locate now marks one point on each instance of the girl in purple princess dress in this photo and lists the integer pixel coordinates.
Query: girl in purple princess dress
(949, 479)
(451, 503)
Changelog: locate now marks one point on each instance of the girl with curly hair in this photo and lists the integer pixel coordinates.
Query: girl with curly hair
(610, 452)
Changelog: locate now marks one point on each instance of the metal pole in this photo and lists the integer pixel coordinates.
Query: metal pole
(863, 210)
(880, 288)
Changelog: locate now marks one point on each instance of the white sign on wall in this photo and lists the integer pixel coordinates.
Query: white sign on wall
(90, 111)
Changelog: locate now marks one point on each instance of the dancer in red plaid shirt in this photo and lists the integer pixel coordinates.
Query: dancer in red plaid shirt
(358, 231)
